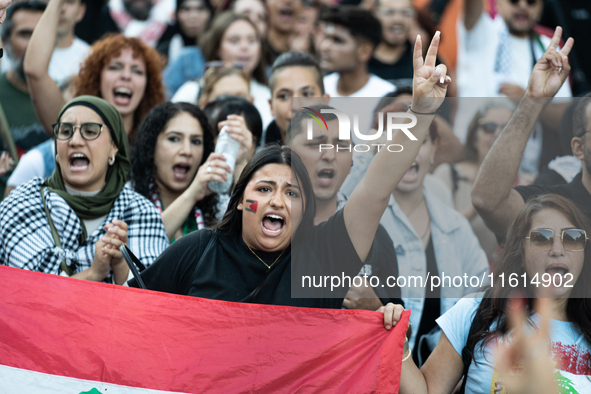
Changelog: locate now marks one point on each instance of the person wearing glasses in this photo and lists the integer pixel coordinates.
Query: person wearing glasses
(548, 246)
(485, 127)
(74, 222)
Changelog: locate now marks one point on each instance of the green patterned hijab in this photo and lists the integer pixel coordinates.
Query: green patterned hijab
(101, 204)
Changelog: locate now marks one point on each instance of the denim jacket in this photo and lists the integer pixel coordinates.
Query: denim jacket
(457, 253)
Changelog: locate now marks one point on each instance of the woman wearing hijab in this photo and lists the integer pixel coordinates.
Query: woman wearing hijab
(74, 222)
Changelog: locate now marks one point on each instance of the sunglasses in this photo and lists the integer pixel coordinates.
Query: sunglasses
(218, 64)
(529, 2)
(89, 131)
(573, 240)
(490, 127)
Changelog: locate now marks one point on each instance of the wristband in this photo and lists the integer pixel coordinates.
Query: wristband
(420, 113)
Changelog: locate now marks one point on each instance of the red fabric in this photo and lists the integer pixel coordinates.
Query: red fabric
(141, 338)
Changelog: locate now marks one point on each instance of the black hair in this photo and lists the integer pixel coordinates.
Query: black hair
(143, 168)
(271, 154)
(580, 116)
(296, 59)
(295, 126)
(236, 105)
(8, 24)
(360, 23)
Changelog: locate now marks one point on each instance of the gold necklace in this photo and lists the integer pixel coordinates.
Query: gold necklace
(261, 260)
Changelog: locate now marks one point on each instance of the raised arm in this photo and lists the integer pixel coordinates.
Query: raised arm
(493, 195)
(472, 11)
(370, 198)
(45, 93)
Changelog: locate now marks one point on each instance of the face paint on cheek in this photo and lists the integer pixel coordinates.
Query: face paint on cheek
(253, 206)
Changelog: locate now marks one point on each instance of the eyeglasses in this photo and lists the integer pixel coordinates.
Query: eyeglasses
(218, 64)
(405, 12)
(573, 240)
(529, 2)
(490, 127)
(89, 131)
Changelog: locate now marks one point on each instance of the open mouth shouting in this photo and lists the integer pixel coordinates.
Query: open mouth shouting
(287, 15)
(78, 162)
(326, 176)
(273, 224)
(180, 171)
(412, 173)
(122, 96)
(557, 268)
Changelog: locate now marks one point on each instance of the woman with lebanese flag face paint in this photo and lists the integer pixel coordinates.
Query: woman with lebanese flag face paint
(267, 235)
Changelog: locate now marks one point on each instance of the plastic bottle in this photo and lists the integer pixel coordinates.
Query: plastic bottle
(229, 147)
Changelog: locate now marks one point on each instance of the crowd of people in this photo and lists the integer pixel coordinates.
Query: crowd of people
(114, 115)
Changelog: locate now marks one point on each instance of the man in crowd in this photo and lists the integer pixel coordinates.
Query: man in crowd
(503, 49)
(293, 75)
(350, 36)
(26, 130)
(283, 17)
(145, 19)
(328, 168)
(392, 59)
(16, 31)
(493, 196)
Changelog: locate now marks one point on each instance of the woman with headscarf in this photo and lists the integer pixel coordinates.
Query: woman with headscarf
(74, 222)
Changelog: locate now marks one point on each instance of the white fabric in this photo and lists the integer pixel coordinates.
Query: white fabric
(66, 62)
(375, 87)
(90, 224)
(18, 381)
(568, 347)
(189, 91)
(30, 165)
(477, 51)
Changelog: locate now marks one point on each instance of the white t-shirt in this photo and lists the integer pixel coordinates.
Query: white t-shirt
(66, 62)
(261, 94)
(477, 55)
(30, 165)
(569, 348)
(375, 87)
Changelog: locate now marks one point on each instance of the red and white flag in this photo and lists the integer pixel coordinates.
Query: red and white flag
(62, 335)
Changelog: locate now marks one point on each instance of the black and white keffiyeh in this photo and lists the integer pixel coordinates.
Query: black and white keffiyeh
(25, 234)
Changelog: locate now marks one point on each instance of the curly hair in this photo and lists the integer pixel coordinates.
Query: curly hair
(89, 77)
(143, 168)
(490, 319)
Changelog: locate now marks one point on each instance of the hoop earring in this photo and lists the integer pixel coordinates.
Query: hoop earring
(112, 160)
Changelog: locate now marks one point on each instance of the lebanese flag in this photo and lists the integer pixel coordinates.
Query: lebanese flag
(62, 335)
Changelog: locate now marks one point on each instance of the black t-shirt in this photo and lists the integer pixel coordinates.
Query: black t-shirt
(402, 69)
(383, 265)
(574, 191)
(400, 72)
(229, 271)
(575, 18)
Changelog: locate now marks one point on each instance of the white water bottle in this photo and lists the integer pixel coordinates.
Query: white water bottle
(229, 147)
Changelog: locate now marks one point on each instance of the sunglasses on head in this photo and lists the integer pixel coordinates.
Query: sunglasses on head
(529, 2)
(573, 239)
(218, 64)
(490, 127)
